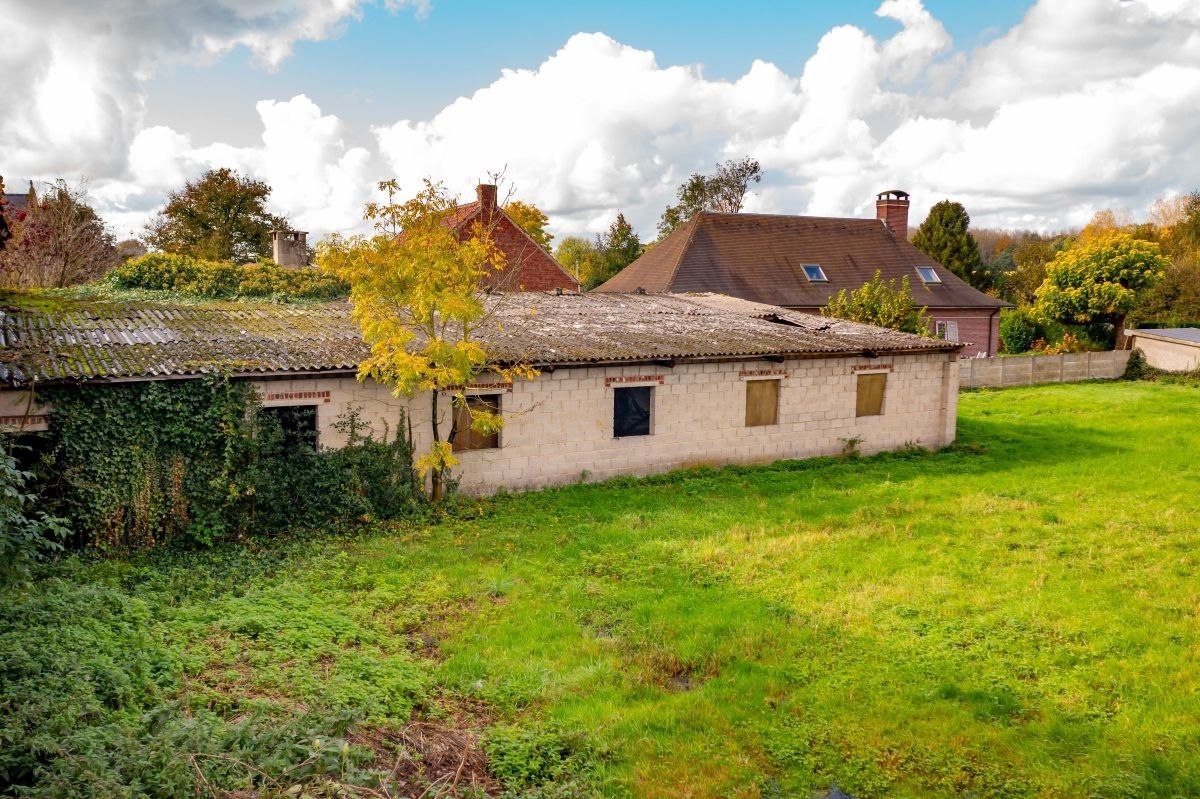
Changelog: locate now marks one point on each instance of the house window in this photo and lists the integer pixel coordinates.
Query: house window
(762, 402)
(815, 273)
(928, 274)
(947, 330)
(870, 394)
(298, 423)
(464, 437)
(632, 408)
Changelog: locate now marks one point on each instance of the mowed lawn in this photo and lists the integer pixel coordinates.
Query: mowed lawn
(1016, 616)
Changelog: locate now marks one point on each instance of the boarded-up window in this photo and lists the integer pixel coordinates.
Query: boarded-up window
(870, 394)
(631, 411)
(762, 402)
(464, 437)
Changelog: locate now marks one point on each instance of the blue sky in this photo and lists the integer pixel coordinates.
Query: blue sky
(395, 65)
(1034, 114)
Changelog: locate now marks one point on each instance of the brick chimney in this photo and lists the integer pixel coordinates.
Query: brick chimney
(486, 194)
(891, 208)
(289, 247)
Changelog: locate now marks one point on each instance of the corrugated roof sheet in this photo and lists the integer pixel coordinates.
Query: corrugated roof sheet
(1187, 335)
(760, 257)
(98, 340)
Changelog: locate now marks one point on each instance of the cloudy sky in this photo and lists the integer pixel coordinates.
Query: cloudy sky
(1033, 114)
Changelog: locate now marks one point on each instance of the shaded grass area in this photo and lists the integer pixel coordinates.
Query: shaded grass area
(1014, 616)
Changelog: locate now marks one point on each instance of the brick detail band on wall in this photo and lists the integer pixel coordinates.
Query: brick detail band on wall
(762, 373)
(32, 422)
(296, 395)
(480, 387)
(877, 367)
(1028, 370)
(613, 381)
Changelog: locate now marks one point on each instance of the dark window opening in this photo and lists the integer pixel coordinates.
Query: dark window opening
(298, 424)
(631, 411)
(464, 437)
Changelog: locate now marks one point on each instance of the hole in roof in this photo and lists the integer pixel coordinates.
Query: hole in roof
(814, 273)
(928, 274)
(779, 320)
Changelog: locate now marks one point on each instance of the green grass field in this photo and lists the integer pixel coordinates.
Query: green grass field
(1016, 616)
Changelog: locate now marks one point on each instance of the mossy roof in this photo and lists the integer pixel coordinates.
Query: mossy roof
(59, 338)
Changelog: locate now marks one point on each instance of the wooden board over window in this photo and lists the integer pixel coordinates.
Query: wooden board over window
(464, 437)
(762, 402)
(870, 394)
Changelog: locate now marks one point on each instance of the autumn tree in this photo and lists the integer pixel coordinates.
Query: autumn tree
(59, 241)
(880, 303)
(220, 216)
(5, 209)
(1030, 257)
(583, 259)
(946, 238)
(723, 191)
(530, 219)
(1101, 281)
(416, 291)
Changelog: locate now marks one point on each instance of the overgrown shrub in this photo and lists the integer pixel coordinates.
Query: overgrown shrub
(140, 464)
(540, 762)
(1019, 328)
(221, 280)
(26, 535)
(90, 699)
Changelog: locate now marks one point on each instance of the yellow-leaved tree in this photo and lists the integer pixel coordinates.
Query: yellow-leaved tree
(417, 291)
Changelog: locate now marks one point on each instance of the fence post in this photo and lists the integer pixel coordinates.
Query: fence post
(1062, 366)
(1089, 365)
(971, 372)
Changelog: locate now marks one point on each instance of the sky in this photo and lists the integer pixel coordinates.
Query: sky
(1032, 114)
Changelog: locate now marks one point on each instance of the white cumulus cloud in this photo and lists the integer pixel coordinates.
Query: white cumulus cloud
(1083, 104)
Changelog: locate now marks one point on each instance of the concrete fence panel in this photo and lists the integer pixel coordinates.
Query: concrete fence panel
(1028, 370)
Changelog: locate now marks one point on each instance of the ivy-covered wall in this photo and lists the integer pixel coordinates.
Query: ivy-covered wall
(140, 464)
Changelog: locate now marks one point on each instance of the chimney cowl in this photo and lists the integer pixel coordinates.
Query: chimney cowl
(891, 208)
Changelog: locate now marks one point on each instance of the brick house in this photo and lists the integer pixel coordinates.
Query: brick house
(528, 267)
(800, 262)
(627, 384)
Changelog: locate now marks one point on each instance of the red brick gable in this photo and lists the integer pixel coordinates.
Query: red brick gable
(528, 267)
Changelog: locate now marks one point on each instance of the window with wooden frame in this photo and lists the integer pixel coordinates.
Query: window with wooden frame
(871, 388)
(762, 402)
(464, 437)
(632, 411)
(947, 330)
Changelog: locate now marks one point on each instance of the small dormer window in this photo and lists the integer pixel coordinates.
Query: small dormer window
(815, 273)
(928, 274)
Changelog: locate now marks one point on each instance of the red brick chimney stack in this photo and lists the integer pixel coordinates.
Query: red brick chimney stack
(486, 194)
(891, 207)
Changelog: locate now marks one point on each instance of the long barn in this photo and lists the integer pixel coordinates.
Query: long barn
(627, 384)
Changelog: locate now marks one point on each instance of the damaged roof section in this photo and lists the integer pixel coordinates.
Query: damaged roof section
(91, 339)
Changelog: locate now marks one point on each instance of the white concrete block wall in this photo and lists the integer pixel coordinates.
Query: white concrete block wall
(559, 427)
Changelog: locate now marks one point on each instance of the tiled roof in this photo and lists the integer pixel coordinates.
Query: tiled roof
(63, 340)
(760, 257)
(16, 201)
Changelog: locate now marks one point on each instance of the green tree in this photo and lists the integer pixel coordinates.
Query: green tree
(419, 301)
(619, 246)
(1101, 281)
(880, 303)
(220, 216)
(582, 259)
(530, 219)
(946, 238)
(1175, 301)
(1029, 267)
(723, 191)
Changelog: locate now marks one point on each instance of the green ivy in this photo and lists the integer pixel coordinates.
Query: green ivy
(141, 464)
